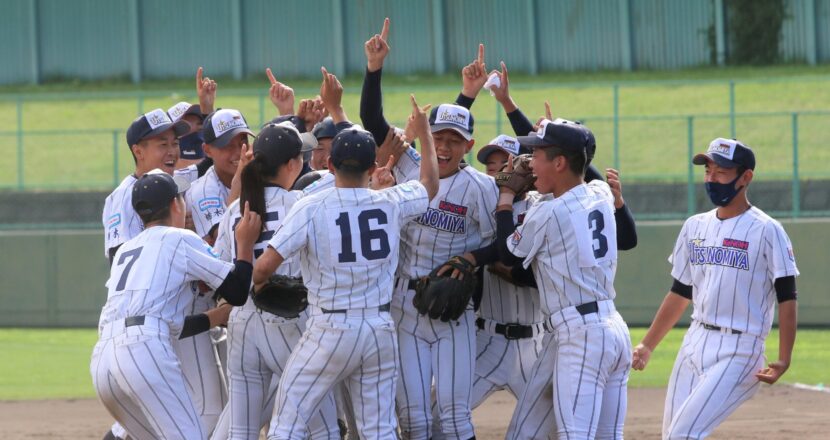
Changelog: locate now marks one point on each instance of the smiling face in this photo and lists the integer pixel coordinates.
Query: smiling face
(226, 159)
(320, 154)
(450, 147)
(161, 151)
(544, 169)
(495, 161)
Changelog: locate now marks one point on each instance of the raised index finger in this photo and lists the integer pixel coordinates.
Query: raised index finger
(270, 76)
(414, 103)
(385, 31)
(481, 53)
(199, 78)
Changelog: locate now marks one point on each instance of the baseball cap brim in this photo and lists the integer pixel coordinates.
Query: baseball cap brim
(486, 151)
(703, 158)
(533, 141)
(222, 141)
(309, 142)
(441, 127)
(182, 184)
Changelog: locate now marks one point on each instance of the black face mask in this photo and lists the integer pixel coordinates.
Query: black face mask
(722, 193)
(192, 141)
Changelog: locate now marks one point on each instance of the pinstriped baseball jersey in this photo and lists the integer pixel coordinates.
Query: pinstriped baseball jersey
(732, 265)
(121, 222)
(571, 241)
(206, 201)
(325, 181)
(504, 301)
(153, 274)
(278, 203)
(347, 239)
(459, 219)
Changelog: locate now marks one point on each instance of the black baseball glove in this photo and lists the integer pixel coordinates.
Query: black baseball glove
(443, 297)
(283, 296)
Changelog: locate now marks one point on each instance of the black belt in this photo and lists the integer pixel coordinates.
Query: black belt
(412, 284)
(381, 308)
(720, 329)
(587, 308)
(134, 320)
(509, 331)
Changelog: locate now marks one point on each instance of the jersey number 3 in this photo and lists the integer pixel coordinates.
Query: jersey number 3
(596, 223)
(374, 243)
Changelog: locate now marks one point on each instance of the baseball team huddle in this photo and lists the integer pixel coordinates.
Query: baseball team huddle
(323, 279)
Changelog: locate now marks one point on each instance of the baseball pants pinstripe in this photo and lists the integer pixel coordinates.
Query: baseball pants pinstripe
(260, 344)
(577, 389)
(138, 377)
(501, 364)
(430, 349)
(713, 374)
(358, 347)
(203, 371)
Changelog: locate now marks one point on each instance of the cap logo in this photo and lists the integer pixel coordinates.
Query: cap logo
(722, 147)
(177, 111)
(507, 143)
(453, 115)
(540, 133)
(157, 118)
(226, 120)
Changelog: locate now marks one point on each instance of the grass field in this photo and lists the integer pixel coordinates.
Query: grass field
(50, 364)
(72, 131)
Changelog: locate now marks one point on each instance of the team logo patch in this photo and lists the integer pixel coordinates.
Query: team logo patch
(414, 155)
(210, 203)
(790, 254)
(113, 221)
(521, 219)
(444, 221)
(735, 244)
(212, 252)
(717, 255)
(516, 237)
(451, 207)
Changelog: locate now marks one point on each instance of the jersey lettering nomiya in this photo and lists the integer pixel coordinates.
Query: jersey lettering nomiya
(459, 219)
(347, 239)
(503, 301)
(732, 265)
(278, 203)
(571, 242)
(206, 201)
(152, 274)
(121, 222)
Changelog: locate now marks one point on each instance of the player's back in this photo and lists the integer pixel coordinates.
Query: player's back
(576, 251)
(350, 240)
(155, 274)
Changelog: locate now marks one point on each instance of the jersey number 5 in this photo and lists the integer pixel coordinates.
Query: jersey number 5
(374, 243)
(596, 223)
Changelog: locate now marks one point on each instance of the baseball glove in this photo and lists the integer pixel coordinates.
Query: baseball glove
(442, 297)
(283, 296)
(521, 179)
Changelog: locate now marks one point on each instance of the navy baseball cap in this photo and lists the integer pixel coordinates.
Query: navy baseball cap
(560, 133)
(155, 190)
(279, 143)
(452, 117)
(182, 109)
(223, 125)
(324, 129)
(502, 142)
(353, 149)
(152, 124)
(727, 153)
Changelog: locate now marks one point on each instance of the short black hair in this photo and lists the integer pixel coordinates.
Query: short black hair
(576, 159)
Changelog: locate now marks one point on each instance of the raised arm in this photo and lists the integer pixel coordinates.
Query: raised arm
(331, 93)
(281, 95)
(429, 159)
(206, 91)
(371, 96)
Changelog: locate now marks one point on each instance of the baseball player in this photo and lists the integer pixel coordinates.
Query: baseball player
(732, 263)
(347, 239)
(134, 368)
(577, 388)
(260, 342)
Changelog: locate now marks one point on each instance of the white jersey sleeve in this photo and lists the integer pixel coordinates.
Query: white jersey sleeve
(203, 263)
(681, 269)
(225, 235)
(206, 202)
(121, 222)
(529, 237)
(408, 166)
(485, 209)
(325, 181)
(411, 197)
(190, 172)
(779, 251)
(293, 233)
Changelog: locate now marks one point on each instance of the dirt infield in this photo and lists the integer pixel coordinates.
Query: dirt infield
(778, 412)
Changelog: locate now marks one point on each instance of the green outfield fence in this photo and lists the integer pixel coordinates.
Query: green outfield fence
(75, 141)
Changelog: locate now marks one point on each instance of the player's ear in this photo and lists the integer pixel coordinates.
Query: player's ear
(470, 144)
(746, 177)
